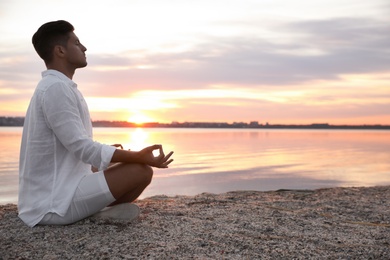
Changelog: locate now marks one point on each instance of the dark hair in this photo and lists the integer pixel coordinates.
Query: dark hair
(49, 35)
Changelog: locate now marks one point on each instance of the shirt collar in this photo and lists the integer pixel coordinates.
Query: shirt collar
(59, 75)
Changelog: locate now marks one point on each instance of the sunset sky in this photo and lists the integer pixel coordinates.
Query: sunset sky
(275, 61)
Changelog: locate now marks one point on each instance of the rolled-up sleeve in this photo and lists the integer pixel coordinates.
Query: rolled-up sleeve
(106, 154)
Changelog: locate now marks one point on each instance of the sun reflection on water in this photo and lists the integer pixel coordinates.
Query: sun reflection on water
(138, 139)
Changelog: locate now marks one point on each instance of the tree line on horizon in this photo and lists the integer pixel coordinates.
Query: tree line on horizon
(19, 121)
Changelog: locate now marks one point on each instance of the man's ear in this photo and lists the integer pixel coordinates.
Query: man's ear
(59, 51)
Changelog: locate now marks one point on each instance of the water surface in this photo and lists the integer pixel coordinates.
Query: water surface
(221, 160)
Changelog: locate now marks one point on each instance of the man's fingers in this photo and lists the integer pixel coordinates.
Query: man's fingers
(162, 155)
(118, 145)
(168, 155)
(156, 146)
(168, 162)
(161, 151)
(165, 164)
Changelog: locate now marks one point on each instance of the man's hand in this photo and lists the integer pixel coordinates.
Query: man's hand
(161, 161)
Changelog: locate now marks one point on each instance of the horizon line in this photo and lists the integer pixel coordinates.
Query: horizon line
(249, 123)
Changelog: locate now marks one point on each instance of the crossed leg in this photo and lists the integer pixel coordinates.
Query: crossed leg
(127, 181)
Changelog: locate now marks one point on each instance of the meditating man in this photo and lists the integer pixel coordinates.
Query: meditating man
(56, 184)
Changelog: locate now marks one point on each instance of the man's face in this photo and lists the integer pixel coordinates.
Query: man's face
(75, 52)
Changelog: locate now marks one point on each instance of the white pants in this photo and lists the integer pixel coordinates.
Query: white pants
(91, 196)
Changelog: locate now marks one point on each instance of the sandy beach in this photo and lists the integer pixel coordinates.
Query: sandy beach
(336, 223)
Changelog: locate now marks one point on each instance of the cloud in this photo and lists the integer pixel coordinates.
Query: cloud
(315, 50)
(280, 67)
(351, 45)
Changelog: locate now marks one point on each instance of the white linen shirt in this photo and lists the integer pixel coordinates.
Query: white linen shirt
(57, 149)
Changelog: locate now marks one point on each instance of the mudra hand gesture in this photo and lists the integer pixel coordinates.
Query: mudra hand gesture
(161, 161)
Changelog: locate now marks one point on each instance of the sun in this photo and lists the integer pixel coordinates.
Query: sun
(139, 119)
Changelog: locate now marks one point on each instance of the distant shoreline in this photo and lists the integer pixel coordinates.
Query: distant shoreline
(19, 121)
(245, 126)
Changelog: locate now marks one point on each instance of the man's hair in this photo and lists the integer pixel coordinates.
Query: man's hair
(49, 35)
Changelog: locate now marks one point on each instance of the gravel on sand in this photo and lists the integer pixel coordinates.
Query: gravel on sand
(335, 223)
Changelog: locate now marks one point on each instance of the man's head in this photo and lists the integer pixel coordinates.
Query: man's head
(49, 35)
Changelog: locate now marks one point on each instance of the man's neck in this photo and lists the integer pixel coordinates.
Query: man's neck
(66, 71)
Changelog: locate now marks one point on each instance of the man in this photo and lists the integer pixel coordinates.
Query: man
(56, 184)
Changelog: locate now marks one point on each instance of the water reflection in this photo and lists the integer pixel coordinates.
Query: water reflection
(216, 160)
(10, 138)
(138, 139)
(222, 160)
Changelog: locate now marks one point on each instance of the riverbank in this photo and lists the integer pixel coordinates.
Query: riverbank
(321, 224)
